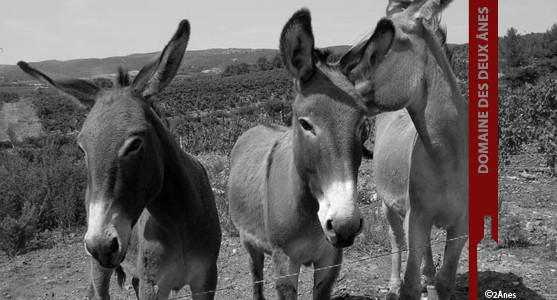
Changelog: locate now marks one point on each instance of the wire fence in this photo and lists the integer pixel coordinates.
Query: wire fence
(529, 163)
(274, 278)
(247, 284)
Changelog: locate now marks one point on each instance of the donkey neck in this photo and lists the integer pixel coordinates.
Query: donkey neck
(295, 187)
(440, 115)
(178, 194)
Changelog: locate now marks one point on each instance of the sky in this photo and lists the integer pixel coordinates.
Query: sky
(36, 30)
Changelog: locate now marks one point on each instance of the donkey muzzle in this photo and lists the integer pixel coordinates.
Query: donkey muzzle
(341, 238)
(106, 250)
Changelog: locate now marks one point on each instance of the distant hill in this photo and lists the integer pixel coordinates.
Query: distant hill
(194, 61)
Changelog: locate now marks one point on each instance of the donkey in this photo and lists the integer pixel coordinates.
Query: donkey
(147, 201)
(293, 190)
(421, 153)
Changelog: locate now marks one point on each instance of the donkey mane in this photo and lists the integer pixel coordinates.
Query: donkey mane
(326, 56)
(123, 78)
(441, 34)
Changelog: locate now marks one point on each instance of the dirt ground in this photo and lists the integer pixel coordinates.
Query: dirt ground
(528, 210)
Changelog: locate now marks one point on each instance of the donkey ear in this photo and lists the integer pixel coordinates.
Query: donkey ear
(82, 93)
(297, 45)
(375, 47)
(430, 9)
(155, 76)
(396, 6)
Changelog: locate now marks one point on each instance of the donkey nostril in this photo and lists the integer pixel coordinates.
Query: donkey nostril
(329, 225)
(361, 225)
(90, 251)
(113, 245)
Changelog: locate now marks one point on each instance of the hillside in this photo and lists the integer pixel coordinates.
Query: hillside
(194, 61)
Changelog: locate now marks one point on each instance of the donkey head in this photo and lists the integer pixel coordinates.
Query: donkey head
(328, 127)
(121, 139)
(389, 68)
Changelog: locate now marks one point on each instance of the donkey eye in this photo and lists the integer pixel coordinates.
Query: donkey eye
(306, 125)
(133, 146)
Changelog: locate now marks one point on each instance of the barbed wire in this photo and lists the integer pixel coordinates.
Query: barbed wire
(524, 154)
(347, 263)
(274, 278)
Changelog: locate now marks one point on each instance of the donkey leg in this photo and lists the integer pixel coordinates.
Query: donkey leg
(203, 287)
(286, 273)
(135, 284)
(150, 291)
(326, 272)
(445, 279)
(256, 261)
(100, 281)
(396, 233)
(429, 266)
(418, 232)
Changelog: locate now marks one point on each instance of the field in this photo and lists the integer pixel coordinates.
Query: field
(42, 215)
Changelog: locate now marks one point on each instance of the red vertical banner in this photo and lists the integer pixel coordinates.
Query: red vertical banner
(483, 131)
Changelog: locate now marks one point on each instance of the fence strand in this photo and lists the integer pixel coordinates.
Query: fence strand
(347, 263)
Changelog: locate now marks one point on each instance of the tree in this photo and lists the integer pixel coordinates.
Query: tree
(550, 42)
(277, 61)
(263, 64)
(236, 69)
(513, 49)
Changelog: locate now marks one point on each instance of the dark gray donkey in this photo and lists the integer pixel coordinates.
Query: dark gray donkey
(146, 200)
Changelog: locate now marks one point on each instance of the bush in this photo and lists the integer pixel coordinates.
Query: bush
(529, 115)
(517, 77)
(103, 82)
(16, 233)
(40, 189)
(57, 114)
(8, 97)
(236, 69)
(512, 235)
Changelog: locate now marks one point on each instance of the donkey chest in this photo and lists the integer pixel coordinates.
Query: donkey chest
(294, 228)
(157, 254)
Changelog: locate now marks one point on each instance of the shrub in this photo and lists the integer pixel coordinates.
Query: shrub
(236, 69)
(103, 82)
(529, 115)
(57, 114)
(40, 189)
(512, 235)
(16, 233)
(8, 97)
